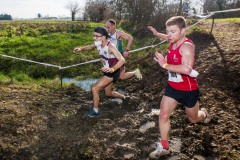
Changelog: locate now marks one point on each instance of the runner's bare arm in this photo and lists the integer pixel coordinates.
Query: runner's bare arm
(127, 37)
(84, 48)
(156, 33)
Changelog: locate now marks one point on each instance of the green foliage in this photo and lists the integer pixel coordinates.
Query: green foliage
(9, 31)
(19, 76)
(196, 29)
(126, 25)
(228, 20)
(51, 43)
(4, 78)
(32, 32)
(5, 17)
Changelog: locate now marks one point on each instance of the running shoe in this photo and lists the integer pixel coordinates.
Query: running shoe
(92, 113)
(126, 99)
(160, 151)
(138, 74)
(208, 117)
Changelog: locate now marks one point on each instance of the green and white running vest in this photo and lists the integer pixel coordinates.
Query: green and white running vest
(116, 42)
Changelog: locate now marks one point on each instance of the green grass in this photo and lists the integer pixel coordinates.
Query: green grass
(4, 78)
(53, 47)
(228, 20)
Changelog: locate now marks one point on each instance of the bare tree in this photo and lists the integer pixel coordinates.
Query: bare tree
(74, 8)
(180, 8)
(96, 10)
(39, 15)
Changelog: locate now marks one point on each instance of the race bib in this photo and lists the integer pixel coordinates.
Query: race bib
(174, 77)
(105, 63)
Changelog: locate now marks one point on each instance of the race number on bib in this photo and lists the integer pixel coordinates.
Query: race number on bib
(105, 63)
(174, 77)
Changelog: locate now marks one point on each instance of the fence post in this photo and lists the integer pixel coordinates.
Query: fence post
(60, 75)
(213, 17)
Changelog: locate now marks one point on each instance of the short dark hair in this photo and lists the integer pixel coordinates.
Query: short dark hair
(103, 31)
(112, 21)
(177, 20)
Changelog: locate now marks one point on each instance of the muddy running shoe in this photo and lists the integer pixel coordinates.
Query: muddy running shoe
(126, 99)
(138, 74)
(92, 113)
(146, 126)
(160, 151)
(208, 117)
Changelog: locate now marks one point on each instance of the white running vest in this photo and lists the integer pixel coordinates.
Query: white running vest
(114, 39)
(108, 60)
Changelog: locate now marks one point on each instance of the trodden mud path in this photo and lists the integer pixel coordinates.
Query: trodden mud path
(50, 124)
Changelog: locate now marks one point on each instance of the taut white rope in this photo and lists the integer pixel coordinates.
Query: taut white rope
(229, 10)
(26, 60)
(200, 20)
(92, 61)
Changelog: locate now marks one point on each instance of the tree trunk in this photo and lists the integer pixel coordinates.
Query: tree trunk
(73, 16)
(180, 8)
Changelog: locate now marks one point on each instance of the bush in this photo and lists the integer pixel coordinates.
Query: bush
(126, 25)
(20, 76)
(32, 32)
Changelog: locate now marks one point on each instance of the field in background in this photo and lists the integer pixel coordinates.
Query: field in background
(49, 42)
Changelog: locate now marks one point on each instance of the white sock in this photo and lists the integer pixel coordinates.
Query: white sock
(95, 109)
(135, 72)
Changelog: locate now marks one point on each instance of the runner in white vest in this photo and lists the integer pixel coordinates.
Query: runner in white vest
(112, 61)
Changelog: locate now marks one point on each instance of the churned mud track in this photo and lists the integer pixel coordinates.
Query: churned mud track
(39, 123)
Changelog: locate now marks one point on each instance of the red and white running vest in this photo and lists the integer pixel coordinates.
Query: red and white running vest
(179, 81)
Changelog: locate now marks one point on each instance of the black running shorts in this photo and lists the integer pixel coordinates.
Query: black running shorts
(115, 75)
(187, 98)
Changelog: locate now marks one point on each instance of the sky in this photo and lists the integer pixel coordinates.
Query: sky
(30, 8)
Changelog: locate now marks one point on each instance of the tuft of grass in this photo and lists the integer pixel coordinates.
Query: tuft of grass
(4, 78)
(19, 76)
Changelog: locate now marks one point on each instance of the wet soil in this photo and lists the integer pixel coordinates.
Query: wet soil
(41, 123)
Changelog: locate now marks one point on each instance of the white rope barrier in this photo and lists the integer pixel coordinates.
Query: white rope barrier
(135, 50)
(200, 21)
(26, 60)
(211, 13)
(229, 10)
(92, 61)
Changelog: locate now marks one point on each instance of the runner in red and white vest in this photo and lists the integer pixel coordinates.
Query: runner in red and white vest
(176, 80)
(182, 86)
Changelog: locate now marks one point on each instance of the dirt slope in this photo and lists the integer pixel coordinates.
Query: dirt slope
(50, 124)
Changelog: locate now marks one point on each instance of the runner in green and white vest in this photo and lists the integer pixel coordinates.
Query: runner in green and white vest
(117, 37)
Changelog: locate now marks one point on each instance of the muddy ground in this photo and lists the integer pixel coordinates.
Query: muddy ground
(38, 123)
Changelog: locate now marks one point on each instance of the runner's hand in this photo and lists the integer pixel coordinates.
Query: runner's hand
(77, 49)
(106, 69)
(154, 31)
(160, 59)
(125, 54)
